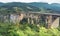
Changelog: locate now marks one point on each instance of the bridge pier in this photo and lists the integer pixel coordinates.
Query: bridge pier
(48, 21)
(32, 21)
(55, 23)
(36, 19)
(52, 21)
(28, 20)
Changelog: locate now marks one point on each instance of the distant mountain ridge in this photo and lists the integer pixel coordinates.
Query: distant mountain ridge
(24, 6)
(1, 4)
(53, 6)
(34, 6)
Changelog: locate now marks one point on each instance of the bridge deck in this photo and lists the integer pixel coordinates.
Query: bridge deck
(45, 13)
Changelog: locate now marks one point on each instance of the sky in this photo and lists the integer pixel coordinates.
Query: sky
(28, 1)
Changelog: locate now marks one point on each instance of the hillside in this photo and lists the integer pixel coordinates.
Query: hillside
(35, 6)
(23, 6)
(54, 6)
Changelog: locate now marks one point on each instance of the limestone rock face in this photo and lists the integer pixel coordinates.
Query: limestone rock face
(16, 18)
(20, 17)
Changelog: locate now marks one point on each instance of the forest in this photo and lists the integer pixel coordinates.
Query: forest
(9, 29)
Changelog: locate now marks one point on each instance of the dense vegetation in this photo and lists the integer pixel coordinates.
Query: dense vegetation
(8, 29)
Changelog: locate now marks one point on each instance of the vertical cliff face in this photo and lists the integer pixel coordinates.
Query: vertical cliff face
(16, 18)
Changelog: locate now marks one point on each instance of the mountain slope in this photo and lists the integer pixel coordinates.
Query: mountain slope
(54, 7)
(24, 6)
(35, 6)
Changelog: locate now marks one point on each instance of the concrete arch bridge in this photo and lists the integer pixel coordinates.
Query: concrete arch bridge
(51, 19)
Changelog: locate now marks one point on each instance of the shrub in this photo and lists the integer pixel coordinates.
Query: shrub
(7, 29)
